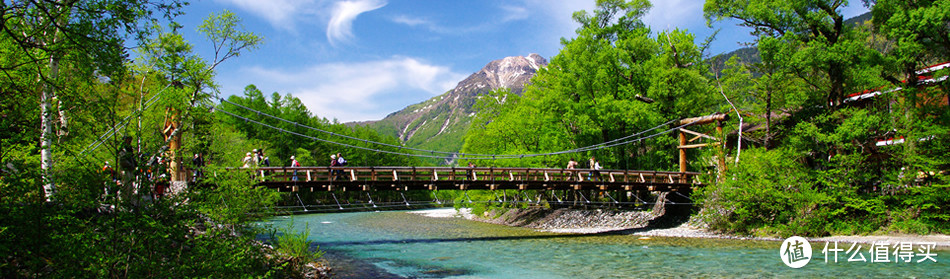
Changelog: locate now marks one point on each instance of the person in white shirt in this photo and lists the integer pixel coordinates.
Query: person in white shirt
(595, 169)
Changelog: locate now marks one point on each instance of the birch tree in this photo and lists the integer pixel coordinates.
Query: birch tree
(86, 36)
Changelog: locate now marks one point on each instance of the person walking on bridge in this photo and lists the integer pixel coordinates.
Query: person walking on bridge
(595, 169)
(294, 164)
(571, 165)
(198, 163)
(339, 159)
(246, 161)
(333, 164)
(340, 162)
(256, 157)
(127, 168)
(471, 171)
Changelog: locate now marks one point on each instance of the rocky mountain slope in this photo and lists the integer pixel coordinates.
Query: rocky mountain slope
(441, 122)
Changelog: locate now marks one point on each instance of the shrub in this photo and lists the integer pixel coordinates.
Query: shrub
(767, 193)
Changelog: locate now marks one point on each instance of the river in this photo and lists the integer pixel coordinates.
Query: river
(398, 244)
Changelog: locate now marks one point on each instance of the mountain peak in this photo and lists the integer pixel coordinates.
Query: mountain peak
(440, 122)
(511, 72)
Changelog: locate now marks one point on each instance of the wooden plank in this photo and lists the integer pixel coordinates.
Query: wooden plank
(698, 145)
(704, 119)
(698, 134)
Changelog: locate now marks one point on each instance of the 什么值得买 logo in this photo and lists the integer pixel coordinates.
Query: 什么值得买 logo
(795, 252)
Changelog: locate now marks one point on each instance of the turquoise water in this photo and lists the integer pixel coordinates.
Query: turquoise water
(404, 245)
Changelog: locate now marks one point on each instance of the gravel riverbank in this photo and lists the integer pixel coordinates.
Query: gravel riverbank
(640, 223)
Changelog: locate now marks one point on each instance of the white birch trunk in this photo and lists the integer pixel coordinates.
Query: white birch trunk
(46, 126)
(46, 133)
(47, 95)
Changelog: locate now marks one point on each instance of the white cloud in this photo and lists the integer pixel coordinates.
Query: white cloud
(411, 21)
(344, 12)
(359, 91)
(513, 13)
(282, 14)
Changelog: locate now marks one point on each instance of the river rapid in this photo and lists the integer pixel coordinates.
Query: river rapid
(398, 244)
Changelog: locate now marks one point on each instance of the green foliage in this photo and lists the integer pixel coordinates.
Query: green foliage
(485, 201)
(768, 191)
(234, 199)
(589, 93)
(202, 231)
(773, 193)
(279, 146)
(295, 245)
(918, 30)
(165, 238)
(809, 60)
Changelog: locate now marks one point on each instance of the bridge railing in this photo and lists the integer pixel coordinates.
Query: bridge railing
(461, 174)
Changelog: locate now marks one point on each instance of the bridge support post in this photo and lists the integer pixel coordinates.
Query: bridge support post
(682, 151)
(721, 149)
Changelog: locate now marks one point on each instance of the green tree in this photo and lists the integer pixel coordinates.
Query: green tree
(824, 52)
(190, 76)
(920, 37)
(300, 131)
(767, 89)
(84, 38)
(614, 79)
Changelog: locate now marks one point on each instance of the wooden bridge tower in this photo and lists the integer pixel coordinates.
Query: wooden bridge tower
(720, 140)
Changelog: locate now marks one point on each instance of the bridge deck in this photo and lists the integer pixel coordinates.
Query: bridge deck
(463, 178)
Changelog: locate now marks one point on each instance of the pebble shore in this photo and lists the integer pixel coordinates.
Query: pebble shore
(577, 221)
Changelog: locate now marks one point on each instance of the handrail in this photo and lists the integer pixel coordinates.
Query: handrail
(481, 174)
(448, 169)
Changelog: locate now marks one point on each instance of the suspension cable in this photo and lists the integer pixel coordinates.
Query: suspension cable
(607, 144)
(464, 155)
(95, 144)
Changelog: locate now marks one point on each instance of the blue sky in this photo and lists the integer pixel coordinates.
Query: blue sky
(358, 60)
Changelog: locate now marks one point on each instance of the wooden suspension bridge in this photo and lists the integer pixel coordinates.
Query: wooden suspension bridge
(463, 178)
(387, 178)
